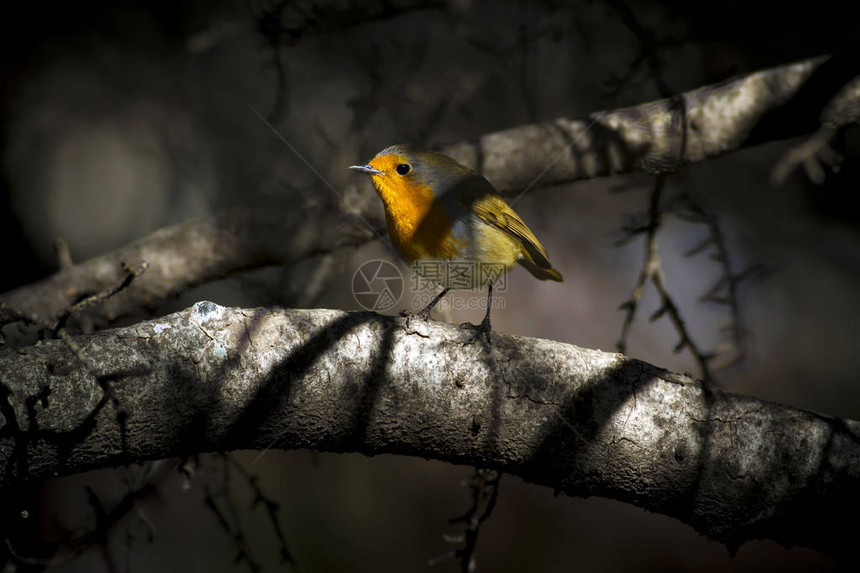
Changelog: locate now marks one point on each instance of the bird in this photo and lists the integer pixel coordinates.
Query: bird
(438, 210)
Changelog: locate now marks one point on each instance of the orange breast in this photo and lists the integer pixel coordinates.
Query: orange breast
(418, 226)
(421, 231)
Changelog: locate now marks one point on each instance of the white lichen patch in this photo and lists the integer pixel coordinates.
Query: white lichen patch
(160, 327)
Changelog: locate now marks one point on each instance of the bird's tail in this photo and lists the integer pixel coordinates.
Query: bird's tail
(543, 273)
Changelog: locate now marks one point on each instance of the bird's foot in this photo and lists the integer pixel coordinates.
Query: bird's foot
(409, 316)
(484, 328)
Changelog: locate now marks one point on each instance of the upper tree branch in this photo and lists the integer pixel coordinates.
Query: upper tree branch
(580, 421)
(656, 137)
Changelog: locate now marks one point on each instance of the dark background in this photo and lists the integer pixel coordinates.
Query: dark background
(122, 117)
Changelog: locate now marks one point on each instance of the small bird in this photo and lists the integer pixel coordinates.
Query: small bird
(437, 209)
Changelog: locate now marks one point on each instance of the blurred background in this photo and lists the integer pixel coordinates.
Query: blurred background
(119, 118)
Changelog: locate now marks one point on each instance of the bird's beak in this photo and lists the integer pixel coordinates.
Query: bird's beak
(366, 169)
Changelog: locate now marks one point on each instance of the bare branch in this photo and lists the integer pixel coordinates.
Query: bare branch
(816, 153)
(583, 422)
(813, 155)
(217, 494)
(725, 290)
(485, 491)
(106, 518)
(269, 504)
(651, 271)
(189, 254)
(665, 135)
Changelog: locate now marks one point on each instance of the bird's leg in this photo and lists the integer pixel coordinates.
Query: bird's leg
(425, 312)
(485, 324)
(483, 328)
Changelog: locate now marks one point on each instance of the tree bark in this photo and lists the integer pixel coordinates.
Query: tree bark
(189, 254)
(665, 135)
(583, 422)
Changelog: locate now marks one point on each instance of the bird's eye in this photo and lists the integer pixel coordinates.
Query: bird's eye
(403, 168)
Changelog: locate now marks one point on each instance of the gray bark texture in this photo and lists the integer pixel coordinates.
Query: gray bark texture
(195, 252)
(666, 135)
(583, 422)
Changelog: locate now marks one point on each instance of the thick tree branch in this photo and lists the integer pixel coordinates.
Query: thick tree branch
(664, 135)
(583, 422)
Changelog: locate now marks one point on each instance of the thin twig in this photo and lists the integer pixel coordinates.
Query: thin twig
(484, 486)
(269, 504)
(90, 301)
(652, 272)
(725, 289)
(73, 545)
(233, 530)
(57, 327)
(650, 46)
(60, 331)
